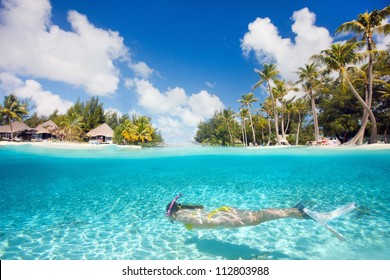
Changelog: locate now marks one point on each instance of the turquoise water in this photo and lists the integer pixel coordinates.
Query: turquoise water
(109, 203)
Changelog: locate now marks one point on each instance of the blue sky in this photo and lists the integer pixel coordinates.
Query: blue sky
(177, 61)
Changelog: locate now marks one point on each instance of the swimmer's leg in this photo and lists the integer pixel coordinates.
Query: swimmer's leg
(266, 215)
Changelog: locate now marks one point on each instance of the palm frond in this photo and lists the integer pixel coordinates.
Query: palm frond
(258, 84)
(385, 12)
(351, 26)
(383, 29)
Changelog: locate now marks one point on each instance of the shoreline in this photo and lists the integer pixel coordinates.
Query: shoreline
(68, 145)
(87, 146)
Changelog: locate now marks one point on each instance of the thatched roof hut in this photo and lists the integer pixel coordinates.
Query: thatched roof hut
(19, 129)
(16, 127)
(46, 127)
(102, 134)
(101, 130)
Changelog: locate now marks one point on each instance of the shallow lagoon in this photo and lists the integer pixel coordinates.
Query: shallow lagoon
(106, 202)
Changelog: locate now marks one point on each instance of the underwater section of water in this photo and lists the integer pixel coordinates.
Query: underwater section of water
(109, 202)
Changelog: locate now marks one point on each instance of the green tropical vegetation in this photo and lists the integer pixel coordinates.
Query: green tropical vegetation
(367, 25)
(247, 100)
(269, 73)
(137, 130)
(353, 105)
(12, 110)
(309, 79)
(81, 118)
(221, 129)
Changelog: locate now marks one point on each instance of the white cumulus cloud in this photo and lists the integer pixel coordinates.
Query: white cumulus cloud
(178, 113)
(173, 130)
(141, 69)
(112, 110)
(46, 102)
(264, 40)
(32, 45)
(204, 104)
(153, 100)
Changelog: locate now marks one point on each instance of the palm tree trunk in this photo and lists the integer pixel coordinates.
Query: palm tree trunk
(288, 123)
(361, 101)
(374, 129)
(275, 114)
(230, 135)
(299, 125)
(315, 118)
(242, 133)
(253, 129)
(246, 135)
(262, 135)
(359, 137)
(282, 122)
(269, 130)
(10, 126)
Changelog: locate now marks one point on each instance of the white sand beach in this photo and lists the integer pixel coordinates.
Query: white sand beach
(340, 147)
(74, 145)
(67, 145)
(365, 147)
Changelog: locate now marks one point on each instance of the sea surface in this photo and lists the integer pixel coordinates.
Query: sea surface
(108, 203)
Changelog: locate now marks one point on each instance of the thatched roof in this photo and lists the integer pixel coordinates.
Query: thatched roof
(16, 127)
(45, 127)
(101, 130)
(3, 128)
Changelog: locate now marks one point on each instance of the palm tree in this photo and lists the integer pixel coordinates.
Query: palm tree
(143, 132)
(227, 120)
(280, 91)
(300, 107)
(247, 100)
(367, 25)
(139, 129)
(12, 111)
(360, 77)
(308, 76)
(269, 73)
(289, 109)
(127, 128)
(341, 57)
(267, 107)
(72, 125)
(262, 123)
(243, 114)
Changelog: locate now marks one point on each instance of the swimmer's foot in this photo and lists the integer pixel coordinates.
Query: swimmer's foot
(300, 207)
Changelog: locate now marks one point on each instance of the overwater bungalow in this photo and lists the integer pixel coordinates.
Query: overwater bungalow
(102, 134)
(20, 131)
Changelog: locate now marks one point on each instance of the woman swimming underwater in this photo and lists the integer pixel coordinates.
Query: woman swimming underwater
(194, 216)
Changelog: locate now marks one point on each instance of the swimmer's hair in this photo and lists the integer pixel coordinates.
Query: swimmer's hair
(177, 206)
(190, 206)
(174, 209)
